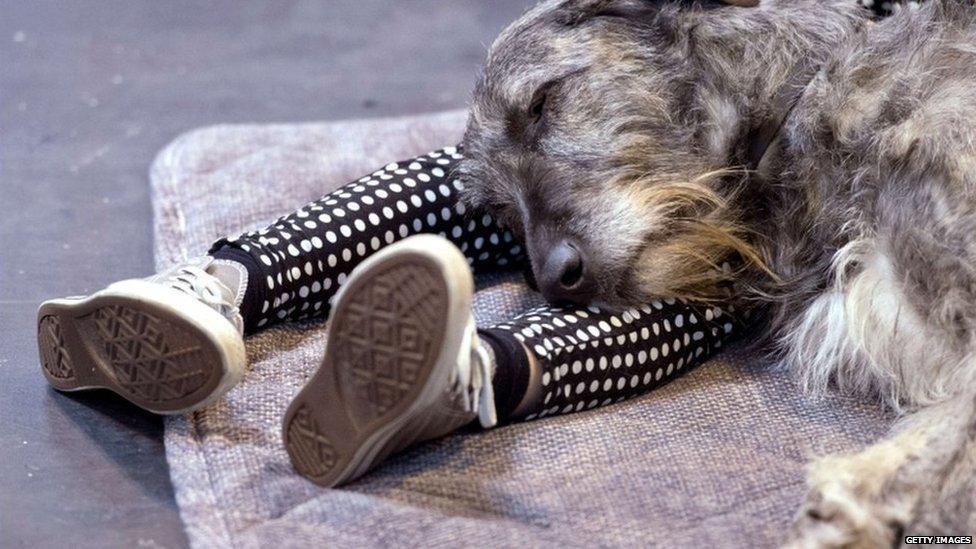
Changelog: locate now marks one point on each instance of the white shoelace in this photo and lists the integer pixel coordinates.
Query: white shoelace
(193, 280)
(473, 381)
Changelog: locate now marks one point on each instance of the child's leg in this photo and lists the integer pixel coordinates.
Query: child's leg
(172, 342)
(588, 357)
(297, 264)
(404, 362)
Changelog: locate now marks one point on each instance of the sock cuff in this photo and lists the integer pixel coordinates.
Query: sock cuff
(511, 377)
(255, 294)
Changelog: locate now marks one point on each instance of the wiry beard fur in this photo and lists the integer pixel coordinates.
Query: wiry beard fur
(697, 246)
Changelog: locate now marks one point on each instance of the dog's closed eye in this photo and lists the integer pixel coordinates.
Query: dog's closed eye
(537, 107)
(541, 102)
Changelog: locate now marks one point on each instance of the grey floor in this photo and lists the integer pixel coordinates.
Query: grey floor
(89, 91)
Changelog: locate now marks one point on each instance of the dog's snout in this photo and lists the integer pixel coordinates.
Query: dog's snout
(565, 276)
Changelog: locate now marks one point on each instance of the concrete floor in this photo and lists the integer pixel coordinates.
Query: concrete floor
(88, 93)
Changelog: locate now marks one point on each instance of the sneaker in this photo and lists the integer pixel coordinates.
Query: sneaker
(402, 364)
(169, 343)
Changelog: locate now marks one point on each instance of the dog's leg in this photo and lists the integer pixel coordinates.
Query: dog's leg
(870, 499)
(947, 505)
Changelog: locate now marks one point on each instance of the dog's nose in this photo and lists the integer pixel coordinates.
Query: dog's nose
(565, 277)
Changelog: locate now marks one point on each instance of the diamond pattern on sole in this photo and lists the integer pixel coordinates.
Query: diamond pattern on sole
(151, 358)
(385, 337)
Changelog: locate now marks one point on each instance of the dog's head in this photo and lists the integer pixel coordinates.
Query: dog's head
(603, 131)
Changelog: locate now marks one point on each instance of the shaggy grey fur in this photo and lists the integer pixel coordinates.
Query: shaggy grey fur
(623, 126)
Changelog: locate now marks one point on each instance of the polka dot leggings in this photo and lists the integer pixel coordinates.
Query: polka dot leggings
(592, 357)
(588, 357)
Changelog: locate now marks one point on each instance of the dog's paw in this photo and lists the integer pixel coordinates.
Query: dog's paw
(825, 521)
(849, 505)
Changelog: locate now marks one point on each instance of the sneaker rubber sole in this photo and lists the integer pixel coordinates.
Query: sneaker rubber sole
(162, 350)
(393, 339)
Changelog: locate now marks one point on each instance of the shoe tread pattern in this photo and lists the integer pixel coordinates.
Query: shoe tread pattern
(312, 452)
(387, 337)
(150, 358)
(55, 357)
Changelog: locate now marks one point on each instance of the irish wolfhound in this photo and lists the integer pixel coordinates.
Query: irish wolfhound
(820, 167)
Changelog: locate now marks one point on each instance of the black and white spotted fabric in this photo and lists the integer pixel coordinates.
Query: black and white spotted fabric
(593, 357)
(305, 256)
(588, 357)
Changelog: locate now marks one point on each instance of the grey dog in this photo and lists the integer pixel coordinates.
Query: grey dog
(817, 167)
